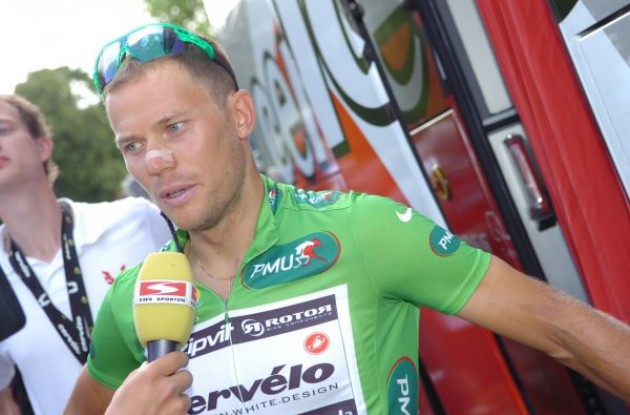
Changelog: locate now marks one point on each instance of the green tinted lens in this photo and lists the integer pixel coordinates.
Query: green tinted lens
(154, 42)
(145, 44)
(107, 65)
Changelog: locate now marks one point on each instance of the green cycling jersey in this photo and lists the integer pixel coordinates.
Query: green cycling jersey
(323, 316)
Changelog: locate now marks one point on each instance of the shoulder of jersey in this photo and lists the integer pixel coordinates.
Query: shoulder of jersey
(315, 199)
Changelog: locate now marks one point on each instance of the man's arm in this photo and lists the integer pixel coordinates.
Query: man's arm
(155, 388)
(8, 405)
(88, 396)
(514, 305)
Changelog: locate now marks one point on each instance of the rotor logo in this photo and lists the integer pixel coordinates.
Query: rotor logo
(301, 258)
(252, 327)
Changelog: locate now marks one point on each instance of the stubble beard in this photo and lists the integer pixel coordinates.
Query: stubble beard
(222, 212)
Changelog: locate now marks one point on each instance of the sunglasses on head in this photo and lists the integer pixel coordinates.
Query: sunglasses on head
(146, 43)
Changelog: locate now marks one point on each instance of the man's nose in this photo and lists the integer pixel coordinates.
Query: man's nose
(156, 160)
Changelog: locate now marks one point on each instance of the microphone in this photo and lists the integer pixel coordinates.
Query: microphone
(164, 303)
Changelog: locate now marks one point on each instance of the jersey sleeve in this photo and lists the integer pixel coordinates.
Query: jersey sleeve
(112, 351)
(410, 257)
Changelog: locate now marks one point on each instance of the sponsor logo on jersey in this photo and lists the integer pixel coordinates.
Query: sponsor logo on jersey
(402, 389)
(242, 346)
(273, 196)
(301, 258)
(316, 199)
(316, 343)
(252, 327)
(405, 216)
(443, 243)
(262, 325)
(282, 379)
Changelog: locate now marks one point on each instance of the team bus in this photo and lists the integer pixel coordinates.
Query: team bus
(505, 121)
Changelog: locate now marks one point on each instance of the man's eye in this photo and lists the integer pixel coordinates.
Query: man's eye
(130, 147)
(175, 127)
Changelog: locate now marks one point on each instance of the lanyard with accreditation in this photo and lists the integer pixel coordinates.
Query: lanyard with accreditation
(75, 332)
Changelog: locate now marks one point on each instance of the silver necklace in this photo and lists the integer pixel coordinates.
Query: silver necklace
(205, 271)
(229, 279)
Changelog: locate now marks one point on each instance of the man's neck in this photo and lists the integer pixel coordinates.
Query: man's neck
(219, 251)
(33, 221)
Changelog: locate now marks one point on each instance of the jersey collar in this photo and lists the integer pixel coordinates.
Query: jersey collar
(266, 227)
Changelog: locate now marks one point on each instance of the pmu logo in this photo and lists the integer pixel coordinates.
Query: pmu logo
(443, 243)
(301, 258)
(402, 390)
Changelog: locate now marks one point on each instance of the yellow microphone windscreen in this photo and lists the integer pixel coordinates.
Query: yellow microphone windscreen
(165, 299)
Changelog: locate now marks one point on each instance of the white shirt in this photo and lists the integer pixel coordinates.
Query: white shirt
(109, 237)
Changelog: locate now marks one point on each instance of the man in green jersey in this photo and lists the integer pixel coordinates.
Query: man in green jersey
(308, 301)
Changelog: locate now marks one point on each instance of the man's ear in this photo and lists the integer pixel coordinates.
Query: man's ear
(244, 115)
(45, 147)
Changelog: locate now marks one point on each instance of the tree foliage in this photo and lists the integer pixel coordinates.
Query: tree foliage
(91, 168)
(190, 14)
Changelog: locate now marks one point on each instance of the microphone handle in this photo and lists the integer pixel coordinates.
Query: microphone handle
(158, 348)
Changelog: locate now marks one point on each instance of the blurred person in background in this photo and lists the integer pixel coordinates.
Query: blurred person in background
(58, 258)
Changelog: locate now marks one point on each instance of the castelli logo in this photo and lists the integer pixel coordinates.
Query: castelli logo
(316, 343)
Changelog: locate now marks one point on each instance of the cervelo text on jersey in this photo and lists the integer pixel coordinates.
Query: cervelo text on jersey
(279, 380)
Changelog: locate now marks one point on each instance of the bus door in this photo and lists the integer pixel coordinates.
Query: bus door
(474, 151)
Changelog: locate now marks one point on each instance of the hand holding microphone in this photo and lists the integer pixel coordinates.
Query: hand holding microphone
(164, 303)
(154, 389)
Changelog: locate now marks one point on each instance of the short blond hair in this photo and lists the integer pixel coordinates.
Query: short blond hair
(217, 75)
